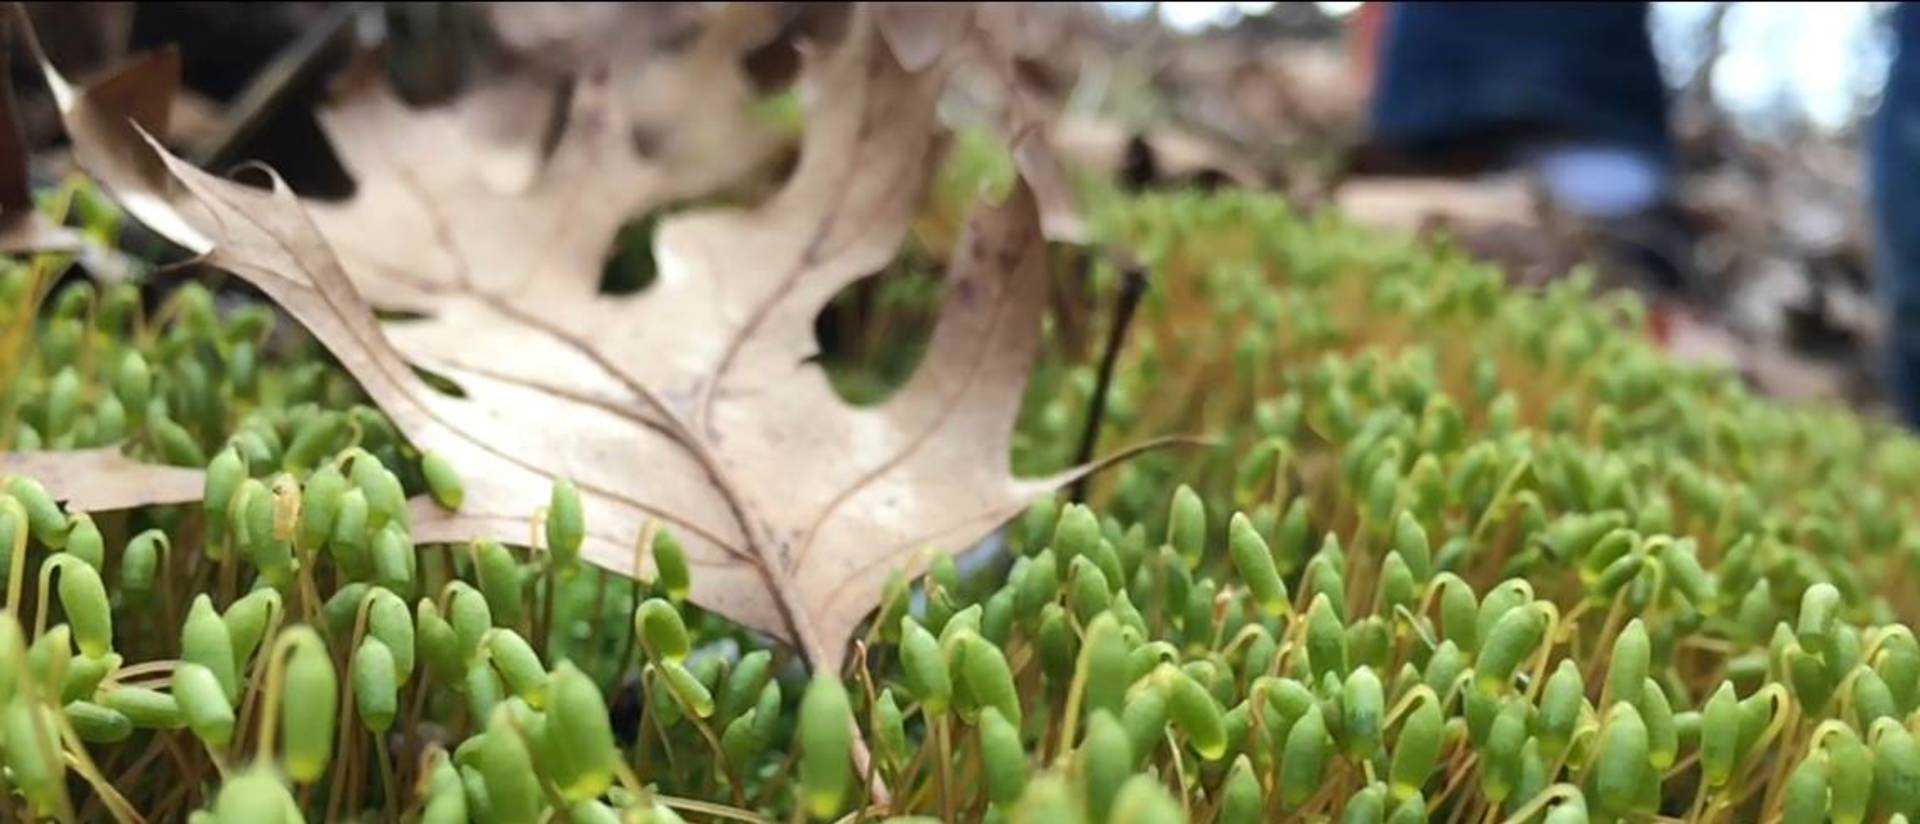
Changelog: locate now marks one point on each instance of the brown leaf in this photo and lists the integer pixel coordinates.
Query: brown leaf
(695, 402)
(920, 34)
(95, 479)
(1406, 204)
(999, 31)
(104, 119)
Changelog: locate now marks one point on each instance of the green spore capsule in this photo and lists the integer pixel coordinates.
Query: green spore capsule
(84, 598)
(1039, 587)
(449, 491)
(1804, 800)
(223, 478)
(313, 441)
(312, 691)
(1663, 737)
(659, 626)
(1819, 611)
(204, 640)
(1720, 723)
(1077, 533)
(1368, 806)
(1089, 595)
(203, 704)
(1560, 707)
(689, 692)
(146, 708)
(351, 540)
(1142, 800)
(254, 796)
(1629, 662)
(84, 674)
(1621, 769)
(825, 737)
(140, 561)
(500, 581)
(1850, 777)
(518, 665)
(1459, 612)
(925, 667)
(1512, 640)
(133, 381)
(96, 724)
(437, 641)
(1194, 712)
(988, 677)
(386, 499)
(1896, 770)
(320, 504)
(391, 623)
(1106, 759)
(577, 718)
(1003, 757)
(1145, 719)
(889, 731)
(1326, 638)
(566, 524)
(45, 521)
(1035, 522)
(505, 762)
(1256, 565)
(393, 558)
(1872, 699)
(1305, 759)
(672, 573)
(1187, 525)
(1417, 749)
(1363, 708)
(1500, 755)
(376, 685)
(1240, 799)
(744, 682)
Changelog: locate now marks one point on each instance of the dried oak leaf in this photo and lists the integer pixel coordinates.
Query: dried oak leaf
(695, 402)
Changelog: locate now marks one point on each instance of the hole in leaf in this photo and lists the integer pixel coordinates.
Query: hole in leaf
(432, 51)
(440, 383)
(874, 333)
(630, 266)
(772, 66)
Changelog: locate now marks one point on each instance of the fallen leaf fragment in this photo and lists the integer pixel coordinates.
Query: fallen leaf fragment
(694, 402)
(93, 479)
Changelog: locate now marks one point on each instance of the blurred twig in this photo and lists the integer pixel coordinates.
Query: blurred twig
(268, 90)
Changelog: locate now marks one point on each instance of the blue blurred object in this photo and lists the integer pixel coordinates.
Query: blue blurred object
(1531, 79)
(1454, 74)
(1893, 158)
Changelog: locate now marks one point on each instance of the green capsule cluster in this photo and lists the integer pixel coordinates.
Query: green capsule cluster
(1458, 553)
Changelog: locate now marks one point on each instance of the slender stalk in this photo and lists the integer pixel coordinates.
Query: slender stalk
(1133, 286)
(259, 661)
(943, 733)
(709, 808)
(17, 558)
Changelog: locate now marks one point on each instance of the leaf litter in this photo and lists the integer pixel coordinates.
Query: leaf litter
(696, 402)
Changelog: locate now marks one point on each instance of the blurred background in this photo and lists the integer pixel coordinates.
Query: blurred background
(1767, 104)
